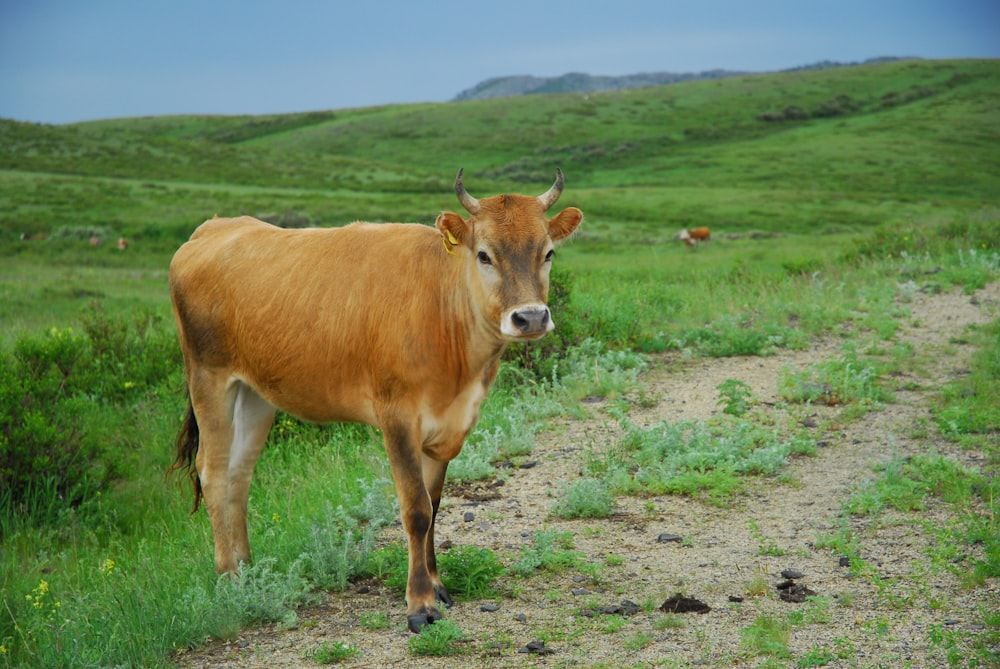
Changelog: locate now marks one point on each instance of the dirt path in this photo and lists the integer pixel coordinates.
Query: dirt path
(722, 550)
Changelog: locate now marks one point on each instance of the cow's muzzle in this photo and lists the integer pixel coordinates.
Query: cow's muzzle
(529, 322)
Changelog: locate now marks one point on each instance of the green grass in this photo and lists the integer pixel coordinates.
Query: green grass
(967, 409)
(767, 635)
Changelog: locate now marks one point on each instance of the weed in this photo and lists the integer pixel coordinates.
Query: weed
(552, 551)
(767, 546)
(261, 594)
(736, 396)
(816, 657)
(375, 620)
(669, 621)
(689, 457)
(332, 652)
(469, 572)
(585, 498)
(817, 611)
(638, 641)
(613, 625)
(767, 635)
(438, 640)
(757, 586)
(842, 381)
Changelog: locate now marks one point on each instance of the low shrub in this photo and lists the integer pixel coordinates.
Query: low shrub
(64, 429)
(586, 498)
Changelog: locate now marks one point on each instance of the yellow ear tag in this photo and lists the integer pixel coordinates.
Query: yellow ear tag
(449, 241)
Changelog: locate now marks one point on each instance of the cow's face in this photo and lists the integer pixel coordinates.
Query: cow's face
(509, 244)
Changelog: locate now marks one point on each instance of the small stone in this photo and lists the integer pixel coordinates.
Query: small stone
(736, 599)
(469, 517)
(845, 561)
(521, 618)
(580, 591)
(668, 537)
(489, 608)
(791, 574)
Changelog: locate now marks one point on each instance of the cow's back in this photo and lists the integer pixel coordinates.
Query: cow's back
(339, 312)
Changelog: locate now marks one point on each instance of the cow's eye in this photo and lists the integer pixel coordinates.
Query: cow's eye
(484, 258)
(550, 255)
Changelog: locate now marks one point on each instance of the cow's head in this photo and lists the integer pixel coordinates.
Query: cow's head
(509, 244)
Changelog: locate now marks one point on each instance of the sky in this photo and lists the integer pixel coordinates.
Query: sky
(63, 61)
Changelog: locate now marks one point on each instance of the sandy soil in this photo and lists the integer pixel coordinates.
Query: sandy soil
(720, 552)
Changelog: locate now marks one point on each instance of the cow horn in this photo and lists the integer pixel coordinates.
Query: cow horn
(549, 197)
(470, 203)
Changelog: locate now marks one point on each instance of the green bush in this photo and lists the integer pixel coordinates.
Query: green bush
(469, 572)
(45, 443)
(64, 432)
(586, 498)
(979, 233)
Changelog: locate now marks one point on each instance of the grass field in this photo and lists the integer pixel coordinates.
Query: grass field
(817, 222)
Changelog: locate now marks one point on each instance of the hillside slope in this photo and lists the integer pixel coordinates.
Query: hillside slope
(803, 150)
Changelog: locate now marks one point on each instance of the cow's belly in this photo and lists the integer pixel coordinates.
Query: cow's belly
(318, 402)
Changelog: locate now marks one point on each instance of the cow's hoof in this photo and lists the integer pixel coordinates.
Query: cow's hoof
(443, 596)
(418, 621)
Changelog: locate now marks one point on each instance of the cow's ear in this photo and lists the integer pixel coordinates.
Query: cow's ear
(563, 225)
(454, 229)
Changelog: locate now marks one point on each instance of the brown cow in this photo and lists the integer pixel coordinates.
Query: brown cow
(400, 326)
(693, 236)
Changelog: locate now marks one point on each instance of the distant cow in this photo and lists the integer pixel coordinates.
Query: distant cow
(400, 326)
(693, 236)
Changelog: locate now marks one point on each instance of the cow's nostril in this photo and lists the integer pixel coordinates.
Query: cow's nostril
(531, 320)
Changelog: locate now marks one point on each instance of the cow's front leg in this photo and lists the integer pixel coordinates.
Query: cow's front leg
(434, 473)
(403, 448)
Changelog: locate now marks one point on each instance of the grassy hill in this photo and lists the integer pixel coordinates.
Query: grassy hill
(799, 151)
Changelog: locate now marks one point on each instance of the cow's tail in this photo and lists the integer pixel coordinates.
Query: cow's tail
(187, 450)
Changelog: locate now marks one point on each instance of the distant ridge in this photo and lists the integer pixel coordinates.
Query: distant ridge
(577, 82)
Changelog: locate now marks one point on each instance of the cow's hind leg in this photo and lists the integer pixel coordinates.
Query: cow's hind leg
(253, 417)
(233, 422)
(417, 513)
(434, 474)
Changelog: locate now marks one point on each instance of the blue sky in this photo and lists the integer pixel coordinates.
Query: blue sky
(63, 61)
